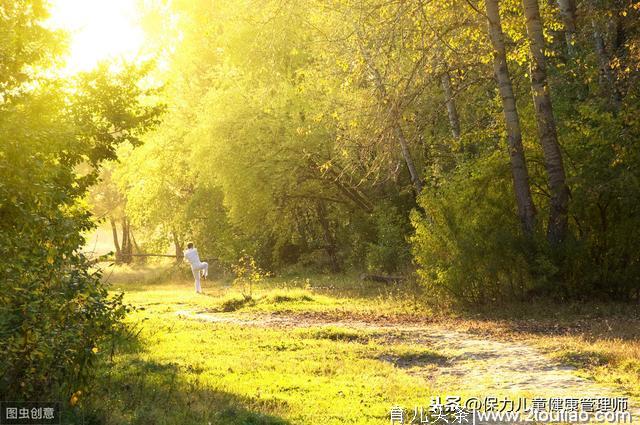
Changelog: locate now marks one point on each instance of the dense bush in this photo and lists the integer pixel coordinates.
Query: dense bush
(467, 244)
(603, 258)
(389, 251)
(471, 246)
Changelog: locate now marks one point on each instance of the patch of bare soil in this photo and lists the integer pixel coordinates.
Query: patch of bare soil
(475, 362)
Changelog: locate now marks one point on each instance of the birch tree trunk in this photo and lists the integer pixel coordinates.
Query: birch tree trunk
(177, 245)
(557, 227)
(452, 111)
(406, 154)
(607, 81)
(520, 174)
(568, 15)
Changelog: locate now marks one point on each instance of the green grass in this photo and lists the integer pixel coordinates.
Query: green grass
(185, 371)
(197, 370)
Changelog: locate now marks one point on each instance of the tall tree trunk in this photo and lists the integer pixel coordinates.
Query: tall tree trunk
(452, 111)
(406, 154)
(177, 245)
(116, 244)
(135, 243)
(607, 81)
(520, 174)
(395, 117)
(126, 242)
(568, 15)
(557, 228)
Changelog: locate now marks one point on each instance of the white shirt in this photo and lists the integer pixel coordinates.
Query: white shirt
(191, 254)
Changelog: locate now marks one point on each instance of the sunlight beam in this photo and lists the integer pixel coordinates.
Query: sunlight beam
(98, 30)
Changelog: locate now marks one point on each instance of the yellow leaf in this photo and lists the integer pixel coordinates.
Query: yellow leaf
(75, 398)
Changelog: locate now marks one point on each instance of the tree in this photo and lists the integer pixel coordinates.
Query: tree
(524, 200)
(568, 13)
(452, 110)
(291, 134)
(557, 226)
(395, 117)
(54, 134)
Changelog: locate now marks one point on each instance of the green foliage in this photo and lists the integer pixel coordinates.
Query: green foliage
(390, 251)
(464, 253)
(470, 248)
(603, 258)
(257, 161)
(293, 125)
(25, 43)
(55, 314)
(248, 274)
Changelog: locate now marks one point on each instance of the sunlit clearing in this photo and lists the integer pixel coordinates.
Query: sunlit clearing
(98, 30)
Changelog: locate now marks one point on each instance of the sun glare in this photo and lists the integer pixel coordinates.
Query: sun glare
(98, 29)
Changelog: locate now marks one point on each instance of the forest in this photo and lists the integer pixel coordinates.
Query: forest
(395, 136)
(467, 153)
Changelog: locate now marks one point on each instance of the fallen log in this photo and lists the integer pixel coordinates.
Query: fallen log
(154, 255)
(171, 256)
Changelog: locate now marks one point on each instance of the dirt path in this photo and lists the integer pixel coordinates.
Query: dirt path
(476, 363)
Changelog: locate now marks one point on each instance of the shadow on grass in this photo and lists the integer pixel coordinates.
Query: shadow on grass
(408, 360)
(140, 392)
(584, 359)
(235, 303)
(333, 333)
(592, 320)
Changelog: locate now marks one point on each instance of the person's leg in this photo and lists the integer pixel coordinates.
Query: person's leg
(196, 275)
(205, 269)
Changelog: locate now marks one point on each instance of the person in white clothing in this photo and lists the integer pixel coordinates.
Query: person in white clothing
(198, 267)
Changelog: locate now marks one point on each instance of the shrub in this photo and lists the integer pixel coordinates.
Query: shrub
(390, 252)
(467, 244)
(248, 274)
(56, 314)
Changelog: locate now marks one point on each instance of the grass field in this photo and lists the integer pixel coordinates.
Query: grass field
(310, 370)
